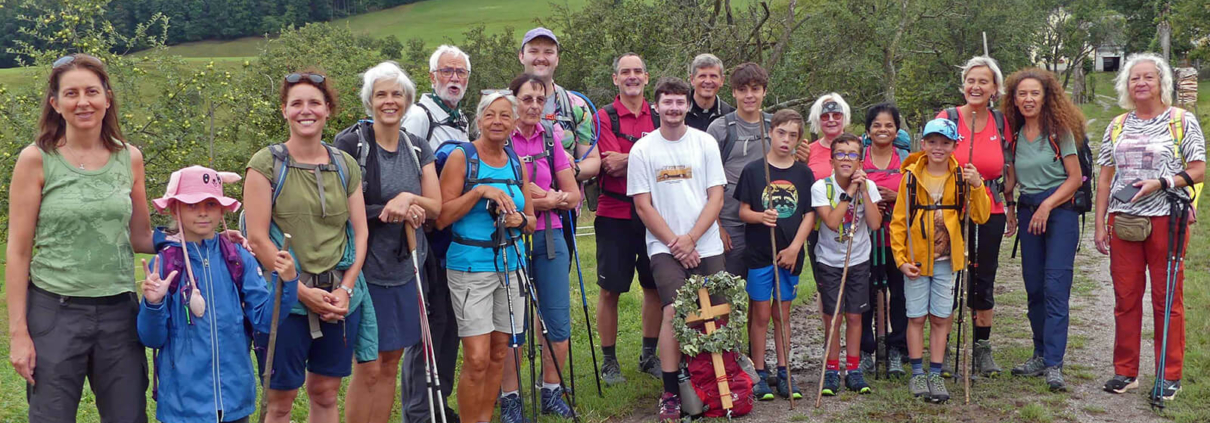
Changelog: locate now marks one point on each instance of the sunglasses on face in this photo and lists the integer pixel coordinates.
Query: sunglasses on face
(294, 78)
(846, 156)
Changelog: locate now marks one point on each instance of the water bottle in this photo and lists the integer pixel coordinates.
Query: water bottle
(690, 403)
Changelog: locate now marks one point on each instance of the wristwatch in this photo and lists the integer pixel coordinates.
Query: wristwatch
(844, 196)
(347, 289)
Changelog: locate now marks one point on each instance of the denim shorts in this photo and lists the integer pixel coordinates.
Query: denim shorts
(931, 294)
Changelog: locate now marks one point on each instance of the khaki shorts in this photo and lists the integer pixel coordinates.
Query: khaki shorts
(481, 303)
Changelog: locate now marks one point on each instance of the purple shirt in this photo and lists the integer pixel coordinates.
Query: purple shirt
(539, 170)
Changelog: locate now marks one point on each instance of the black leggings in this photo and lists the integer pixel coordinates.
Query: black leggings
(897, 338)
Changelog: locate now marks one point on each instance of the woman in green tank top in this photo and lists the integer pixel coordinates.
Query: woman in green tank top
(71, 305)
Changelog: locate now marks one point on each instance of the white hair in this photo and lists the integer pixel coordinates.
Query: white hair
(487, 101)
(448, 49)
(990, 63)
(817, 109)
(1122, 81)
(705, 60)
(388, 70)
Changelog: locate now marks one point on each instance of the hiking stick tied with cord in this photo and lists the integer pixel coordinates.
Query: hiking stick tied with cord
(431, 379)
(785, 328)
(844, 276)
(277, 287)
(1178, 219)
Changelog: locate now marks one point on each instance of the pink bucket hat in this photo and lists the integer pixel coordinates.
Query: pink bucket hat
(195, 184)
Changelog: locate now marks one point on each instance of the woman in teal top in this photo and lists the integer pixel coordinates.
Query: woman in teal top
(72, 308)
(488, 312)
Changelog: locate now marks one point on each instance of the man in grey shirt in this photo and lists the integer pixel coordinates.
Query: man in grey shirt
(739, 139)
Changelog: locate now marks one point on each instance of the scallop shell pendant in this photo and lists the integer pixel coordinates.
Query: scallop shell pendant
(197, 305)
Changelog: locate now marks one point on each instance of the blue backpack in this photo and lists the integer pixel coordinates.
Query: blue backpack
(441, 239)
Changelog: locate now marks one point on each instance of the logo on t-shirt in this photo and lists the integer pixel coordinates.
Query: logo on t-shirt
(674, 173)
(781, 195)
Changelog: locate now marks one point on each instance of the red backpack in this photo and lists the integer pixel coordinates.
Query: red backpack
(701, 374)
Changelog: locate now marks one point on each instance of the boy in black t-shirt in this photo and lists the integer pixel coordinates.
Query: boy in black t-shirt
(785, 205)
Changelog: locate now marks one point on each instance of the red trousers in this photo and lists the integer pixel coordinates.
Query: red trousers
(1129, 265)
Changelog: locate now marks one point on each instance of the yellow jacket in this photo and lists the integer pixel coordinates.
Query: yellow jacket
(923, 223)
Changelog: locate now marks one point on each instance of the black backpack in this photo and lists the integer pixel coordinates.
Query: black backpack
(617, 127)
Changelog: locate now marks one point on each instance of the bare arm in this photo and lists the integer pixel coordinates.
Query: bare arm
(1068, 188)
(430, 191)
(258, 211)
(804, 230)
(591, 165)
(26, 184)
(140, 218)
(361, 236)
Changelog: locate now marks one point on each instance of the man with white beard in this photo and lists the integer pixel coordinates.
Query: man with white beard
(436, 117)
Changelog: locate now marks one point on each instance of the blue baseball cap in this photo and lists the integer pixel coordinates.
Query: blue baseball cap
(945, 127)
(539, 32)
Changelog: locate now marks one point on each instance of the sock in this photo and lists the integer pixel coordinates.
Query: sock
(671, 383)
(610, 352)
(649, 345)
(782, 373)
(549, 386)
(917, 366)
(983, 333)
(833, 365)
(853, 363)
(505, 394)
(934, 367)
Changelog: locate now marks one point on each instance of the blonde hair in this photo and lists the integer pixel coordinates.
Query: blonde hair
(990, 63)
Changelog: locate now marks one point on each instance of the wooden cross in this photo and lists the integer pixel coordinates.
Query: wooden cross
(709, 313)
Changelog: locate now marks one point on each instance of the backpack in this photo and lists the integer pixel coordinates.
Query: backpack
(1176, 127)
(728, 144)
(460, 124)
(617, 127)
(441, 239)
(902, 143)
(1082, 201)
(912, 185)
(548, 153)
(701, 376)
(362, 152)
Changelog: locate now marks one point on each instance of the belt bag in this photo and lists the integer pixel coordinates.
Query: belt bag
(327, 281)
(1132, 228)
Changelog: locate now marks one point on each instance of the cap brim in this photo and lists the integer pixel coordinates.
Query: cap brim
(162, 204)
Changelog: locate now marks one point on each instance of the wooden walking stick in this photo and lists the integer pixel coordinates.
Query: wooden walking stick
(964, 358)
(277, 287)
(785, 326)
(844, 276)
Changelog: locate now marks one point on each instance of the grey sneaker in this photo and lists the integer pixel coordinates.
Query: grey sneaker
(867, 362)
(1032, 367)
(650, 364)
(919, 385)
(937, 391)
(611, 372)
(984, 363)
(895, 363)
(1054, 379)
(1169, 389)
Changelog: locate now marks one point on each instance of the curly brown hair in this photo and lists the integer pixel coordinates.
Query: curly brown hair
(1058, 113)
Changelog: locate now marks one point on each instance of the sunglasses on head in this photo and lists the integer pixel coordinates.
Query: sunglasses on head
(846, 156)
(62, 61)
(294, 78)
(501, 92)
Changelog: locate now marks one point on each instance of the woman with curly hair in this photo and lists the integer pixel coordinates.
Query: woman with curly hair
(1048, 129)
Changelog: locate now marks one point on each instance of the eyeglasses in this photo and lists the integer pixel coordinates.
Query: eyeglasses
(533, 99)
(846, 156)
(294, 78)
(62, 61)
(448, 72)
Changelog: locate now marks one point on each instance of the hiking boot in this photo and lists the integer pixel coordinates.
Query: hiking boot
(937, 391)
(984, 363)
(552, 403)
(510, 409)
(670, 407)
(831, 383)
(1120, 384)
(1169, 389)
(947, 368)
(650, 364)
(854, 381)
(1032, 367)
(785, 389)
(1054, 379)
(761, 389)
(867, 362)
(611, 372)
(919, 385)
(895, 363)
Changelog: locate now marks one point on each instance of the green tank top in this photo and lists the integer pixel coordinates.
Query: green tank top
(82, 241)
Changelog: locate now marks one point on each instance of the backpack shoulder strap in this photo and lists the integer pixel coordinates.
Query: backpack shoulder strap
(548, 140)
(363, 147)
(281, 162)
(655, 117)
(728, 143)
(472, 165)
(432, 122)
(831, 191)
(1176, 125)
(951, 113)
(337, 159)
(1115, 130)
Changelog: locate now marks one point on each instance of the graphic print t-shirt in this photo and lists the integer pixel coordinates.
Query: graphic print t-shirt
(788, 192)
(677, 174)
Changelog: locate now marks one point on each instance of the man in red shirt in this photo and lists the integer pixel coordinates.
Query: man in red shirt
(621, 236)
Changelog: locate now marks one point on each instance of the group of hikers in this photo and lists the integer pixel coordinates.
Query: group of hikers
(418, 231)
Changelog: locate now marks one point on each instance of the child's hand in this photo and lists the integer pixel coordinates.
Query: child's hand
(910, 270)
(283, 264)
(154, 288)
(971, 176)
(769, 218)
(787, 258)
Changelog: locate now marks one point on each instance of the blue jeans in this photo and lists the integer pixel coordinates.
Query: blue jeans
(1047, 263)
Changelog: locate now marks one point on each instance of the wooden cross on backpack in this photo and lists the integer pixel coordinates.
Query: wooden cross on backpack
(709, 313)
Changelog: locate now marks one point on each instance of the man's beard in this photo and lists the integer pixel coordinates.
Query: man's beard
(444, 94)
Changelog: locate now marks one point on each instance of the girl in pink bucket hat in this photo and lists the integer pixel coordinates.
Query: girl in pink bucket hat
(200, 326)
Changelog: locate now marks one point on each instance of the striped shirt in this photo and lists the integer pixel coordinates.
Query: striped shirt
(1146, 150)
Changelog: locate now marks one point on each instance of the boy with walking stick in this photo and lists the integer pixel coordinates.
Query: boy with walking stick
(773, 204)
(925, 231)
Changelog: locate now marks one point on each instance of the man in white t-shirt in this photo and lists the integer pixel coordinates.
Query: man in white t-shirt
(676, 178)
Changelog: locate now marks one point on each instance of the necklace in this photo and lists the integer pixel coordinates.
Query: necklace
(76, 155)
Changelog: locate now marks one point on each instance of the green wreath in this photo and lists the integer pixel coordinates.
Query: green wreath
(725, 338)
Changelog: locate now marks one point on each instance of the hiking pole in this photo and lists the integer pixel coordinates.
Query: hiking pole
(431, 379)
(962, 361)
(785, 328)
(881, 314)
(277, 285)
(844, 276)
(501, 240)
(575, 248)
(1177, 220)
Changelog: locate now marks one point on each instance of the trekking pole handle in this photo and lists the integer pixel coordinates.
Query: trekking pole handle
(285, 243)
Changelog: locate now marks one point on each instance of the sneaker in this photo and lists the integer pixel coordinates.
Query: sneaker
(937, 391)
(1169, 389)
(855, 381)
(611, 372)
(983, 361)
(650, 364)
(552, 403)
(761, 390)
(670, 407)
(947, 368)
(919, 385)
(831, 383)
(867, 362)
(1054, 379)
(895, 363)
(1120, 384)
(1032, 367)
(785, 389)
(510, 409)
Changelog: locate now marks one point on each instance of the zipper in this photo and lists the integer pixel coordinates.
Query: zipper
(215, 370)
